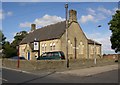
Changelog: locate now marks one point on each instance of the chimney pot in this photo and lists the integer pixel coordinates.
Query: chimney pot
(33, 27)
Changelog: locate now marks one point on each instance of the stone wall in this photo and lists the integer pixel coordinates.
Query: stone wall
(56, 65)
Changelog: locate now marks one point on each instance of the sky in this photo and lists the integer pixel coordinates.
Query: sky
(17, 16)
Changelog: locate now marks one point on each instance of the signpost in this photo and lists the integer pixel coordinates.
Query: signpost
(18, 63)
(36, 45)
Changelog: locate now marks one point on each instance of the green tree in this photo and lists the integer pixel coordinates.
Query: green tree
(18, 38)
(115, 29)
(2, 40)
(8, 50)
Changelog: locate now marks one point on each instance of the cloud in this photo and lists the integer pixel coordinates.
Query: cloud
(96, 15)
(3, 14)
(25, 24)
(104, 40)
(99, 17)
(26, 3)
(9, 13)
(86, 18)
(105, 11)
(91, 11)
(45, 20)
(106, 44)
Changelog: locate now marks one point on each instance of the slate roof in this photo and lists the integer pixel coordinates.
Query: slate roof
(92, 42)
(53, 31)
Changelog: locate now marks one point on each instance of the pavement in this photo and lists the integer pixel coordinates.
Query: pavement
(76, 72)
(90, 71)
(21, 77)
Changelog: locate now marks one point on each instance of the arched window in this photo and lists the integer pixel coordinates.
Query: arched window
(98, 50)
(42, 47)
(68, 41)
(71, 48)
(83, 49)
(79, 48)
(45, 46)
(53, 46)
(50, 46)
(81, 45)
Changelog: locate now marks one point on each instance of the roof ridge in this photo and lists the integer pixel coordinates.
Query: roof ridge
(49, 25)
(53, 24)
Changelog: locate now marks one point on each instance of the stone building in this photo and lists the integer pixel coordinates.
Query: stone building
(92, 45)
(53, 38)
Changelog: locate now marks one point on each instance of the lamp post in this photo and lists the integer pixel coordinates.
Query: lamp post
(95, 59)
(67, 60)
(94, 53)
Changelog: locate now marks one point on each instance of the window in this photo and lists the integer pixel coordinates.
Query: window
(22, 51)
(68, 41)
(98, 50)
(70, 47)
(81, 47)
(53, 46)
(45, 46)
(42, 47)
(82, 50)
(92, 49)
(81, 43)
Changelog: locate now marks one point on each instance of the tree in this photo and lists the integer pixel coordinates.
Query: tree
(115, 29)
(8, 50)
(18, 38)
(2, 39)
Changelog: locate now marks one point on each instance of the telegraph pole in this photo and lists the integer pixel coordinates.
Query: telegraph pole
(67, 60)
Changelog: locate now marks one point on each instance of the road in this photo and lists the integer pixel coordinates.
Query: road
(11, 76)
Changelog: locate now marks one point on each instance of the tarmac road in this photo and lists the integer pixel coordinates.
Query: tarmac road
(12, 76)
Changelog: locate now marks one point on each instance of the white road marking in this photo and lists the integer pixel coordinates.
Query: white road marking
(3, 79)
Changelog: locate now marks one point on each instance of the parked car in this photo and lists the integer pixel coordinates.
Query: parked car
(116, 60)
(16, 58)
(56, 55)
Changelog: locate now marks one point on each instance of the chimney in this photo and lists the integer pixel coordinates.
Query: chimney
(72, 15)
(33, 27)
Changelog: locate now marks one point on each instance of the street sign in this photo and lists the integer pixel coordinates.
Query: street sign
(36, 45)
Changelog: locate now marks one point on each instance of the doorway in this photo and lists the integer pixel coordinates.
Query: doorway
(28, 55)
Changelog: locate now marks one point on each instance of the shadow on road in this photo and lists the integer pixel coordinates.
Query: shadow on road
(36, 78)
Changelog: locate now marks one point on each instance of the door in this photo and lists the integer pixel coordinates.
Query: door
(28, 55)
